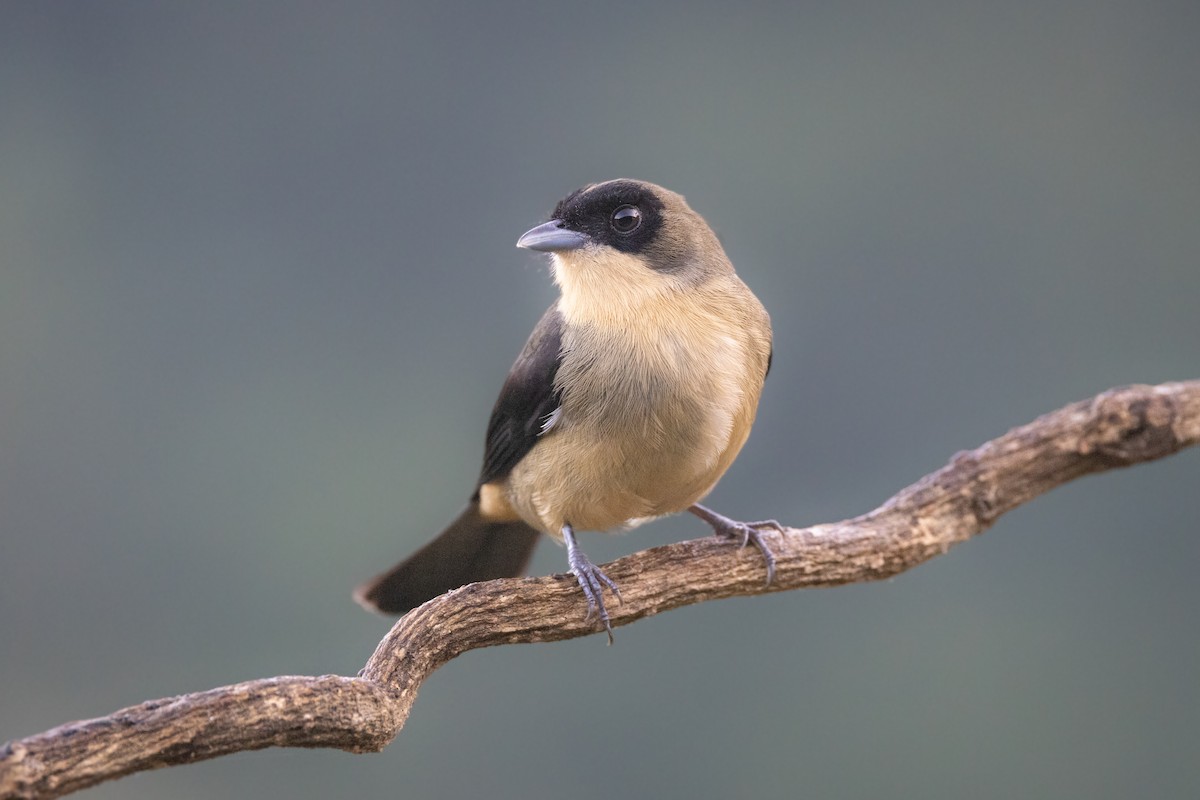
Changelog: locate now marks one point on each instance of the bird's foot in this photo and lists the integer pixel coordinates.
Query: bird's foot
(748, 532)
(592, 580)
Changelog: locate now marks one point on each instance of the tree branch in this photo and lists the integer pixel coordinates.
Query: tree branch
(1118, 428)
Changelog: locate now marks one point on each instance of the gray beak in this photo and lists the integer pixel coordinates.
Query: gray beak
(550, 237)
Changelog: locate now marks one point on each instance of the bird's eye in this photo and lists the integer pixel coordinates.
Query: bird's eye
(626, 219)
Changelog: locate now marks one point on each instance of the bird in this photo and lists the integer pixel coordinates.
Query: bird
(631, 398)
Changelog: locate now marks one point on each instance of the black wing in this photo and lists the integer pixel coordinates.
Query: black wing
(526, 400)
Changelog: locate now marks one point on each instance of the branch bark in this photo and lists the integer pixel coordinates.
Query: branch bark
(1118, 428)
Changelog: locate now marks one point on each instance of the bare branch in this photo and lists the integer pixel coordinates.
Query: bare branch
(1118, 428)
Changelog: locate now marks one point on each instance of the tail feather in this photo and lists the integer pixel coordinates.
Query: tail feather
(470, 549)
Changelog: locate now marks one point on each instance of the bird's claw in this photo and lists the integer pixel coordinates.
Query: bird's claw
(748, 532)
(592, 581)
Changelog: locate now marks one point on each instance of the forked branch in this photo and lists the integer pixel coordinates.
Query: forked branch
(1118, 428)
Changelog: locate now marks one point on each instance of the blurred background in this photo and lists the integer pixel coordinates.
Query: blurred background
(258, 291)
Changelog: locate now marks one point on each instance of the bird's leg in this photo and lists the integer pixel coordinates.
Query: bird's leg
(591, 579)
(748, 532)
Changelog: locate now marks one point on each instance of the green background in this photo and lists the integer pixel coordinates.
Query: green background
(258, 290)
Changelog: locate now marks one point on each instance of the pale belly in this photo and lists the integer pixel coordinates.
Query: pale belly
(601, 470)
(650, 428)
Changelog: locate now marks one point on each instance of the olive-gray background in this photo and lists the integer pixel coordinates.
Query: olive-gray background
(258, 290)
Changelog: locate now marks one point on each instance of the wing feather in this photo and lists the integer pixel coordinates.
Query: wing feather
(527, 401)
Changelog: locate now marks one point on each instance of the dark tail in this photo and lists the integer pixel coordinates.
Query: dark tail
(470, 549)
